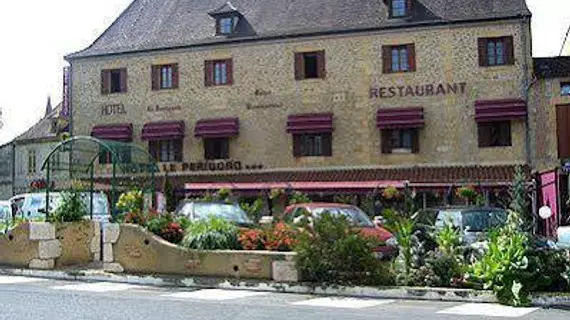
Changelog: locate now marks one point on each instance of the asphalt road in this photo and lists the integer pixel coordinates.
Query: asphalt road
(30, 298)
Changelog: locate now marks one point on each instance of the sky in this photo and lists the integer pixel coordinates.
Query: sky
(37, 34)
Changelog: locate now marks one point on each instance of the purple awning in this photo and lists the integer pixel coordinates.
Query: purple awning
(500, 110)
(165, 130)
(217, 128)
(400, 118)
(310, 123)
(118, 132)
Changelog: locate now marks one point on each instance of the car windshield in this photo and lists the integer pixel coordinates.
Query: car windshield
(483, 220)
(474, 220)
(354, 214)
(231, 212)
(5, 211)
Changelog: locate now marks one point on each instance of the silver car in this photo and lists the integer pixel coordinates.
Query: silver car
(197, 210)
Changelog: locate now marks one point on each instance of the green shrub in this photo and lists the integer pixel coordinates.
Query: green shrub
(402, 226)
(298, 197)
(330, 250)
(254, 210)
(72, 208)
(167, 227)
(131, 202)
(211, 234)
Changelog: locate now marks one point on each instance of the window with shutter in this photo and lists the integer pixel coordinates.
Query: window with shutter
(310, 65)
(218, 72)
(400, 141)
(216, 148)
(166, 150)
(496, 51)
(312, 145)
(494, 134)
(165, 76)
(114, 81)
(386, 143)
(563, 130)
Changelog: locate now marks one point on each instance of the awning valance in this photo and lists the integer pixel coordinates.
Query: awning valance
(117, 132)
(310, 123)
(400, 118)
(217, 128)
(500, 110)
(164, 130)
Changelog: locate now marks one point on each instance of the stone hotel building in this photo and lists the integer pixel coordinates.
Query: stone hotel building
(321, 96)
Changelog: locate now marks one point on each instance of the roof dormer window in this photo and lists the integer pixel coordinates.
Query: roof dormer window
(400, 8)
(227, 18)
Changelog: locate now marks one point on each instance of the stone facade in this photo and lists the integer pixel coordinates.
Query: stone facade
(263, 76)
(6, 171)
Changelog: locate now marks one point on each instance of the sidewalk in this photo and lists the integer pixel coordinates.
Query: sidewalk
(94, 274)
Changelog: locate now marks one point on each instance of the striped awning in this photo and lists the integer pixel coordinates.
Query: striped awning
(310, 123)
(500, 110)
(217, 128)
(400, 118)
(117, 132)
(164, 130)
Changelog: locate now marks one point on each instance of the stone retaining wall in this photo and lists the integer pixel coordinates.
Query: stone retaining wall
(132, 249)
(43, 245)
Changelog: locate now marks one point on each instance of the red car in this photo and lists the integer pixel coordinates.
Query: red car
(361, 221)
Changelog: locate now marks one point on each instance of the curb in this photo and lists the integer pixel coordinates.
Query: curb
(400, 293)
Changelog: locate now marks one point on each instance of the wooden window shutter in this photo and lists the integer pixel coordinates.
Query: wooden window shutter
(387, 59)
(411, 57)
(299, 66)
(152, 149)
(415, 141)
(155, 77)
(321, 64)
(123, 80)
(386, 141)
(409, 7)
(175, 76)
(297, 145)
(483, 59)
(105, 81)
(509, 50)
(230, 71)
(209, 73)
(563, 130)
(225, 145)
(327, 144)
(484, 136)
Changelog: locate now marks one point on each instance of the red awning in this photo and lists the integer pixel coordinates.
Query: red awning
(400, 118)
(310, 123)
(217, 128)
(500, 110)
(302, 186)
(118, 132)
(164, 130)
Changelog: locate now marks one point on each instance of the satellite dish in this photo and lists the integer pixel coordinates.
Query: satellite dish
(545, 212)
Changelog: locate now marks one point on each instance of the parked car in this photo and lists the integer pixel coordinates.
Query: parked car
(296, 212)
(5, 211)
(563, 237)
(474, 222)
(197, 210)
(33, 205)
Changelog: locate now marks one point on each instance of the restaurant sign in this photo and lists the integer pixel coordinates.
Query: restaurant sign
(210, 165)
(425, 90)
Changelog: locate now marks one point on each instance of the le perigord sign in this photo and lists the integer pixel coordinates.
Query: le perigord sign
(424, 90)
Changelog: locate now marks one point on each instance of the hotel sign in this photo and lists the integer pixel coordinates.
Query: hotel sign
(425, 90)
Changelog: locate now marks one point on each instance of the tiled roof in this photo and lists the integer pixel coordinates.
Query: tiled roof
(417, 175)
(160, 24)
(555, 67)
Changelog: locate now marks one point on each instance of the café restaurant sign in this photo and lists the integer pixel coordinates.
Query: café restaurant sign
(424, 90)
(215, 165)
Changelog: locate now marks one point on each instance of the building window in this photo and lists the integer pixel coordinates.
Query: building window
(219, 72)
(105, 157)
(226, 25)
(216, 148)
(495, 134)
(565, 88)
(400, 8)
(165, 76)
(400, 58)
(31, 161)
(496, 51)
(166, 150)
(312, 145)
(310, 65)
(114, 81)
(400, 141)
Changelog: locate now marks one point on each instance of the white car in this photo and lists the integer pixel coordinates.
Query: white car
(5, 210)
(563, 237)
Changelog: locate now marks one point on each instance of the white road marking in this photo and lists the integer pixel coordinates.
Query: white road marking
(96, 287)
(488, 310)
(214, 294)
(337, 302)
(17, 279)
